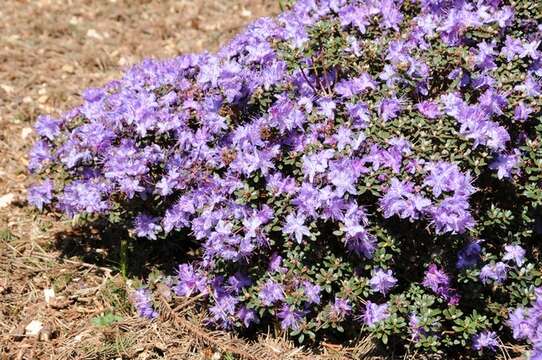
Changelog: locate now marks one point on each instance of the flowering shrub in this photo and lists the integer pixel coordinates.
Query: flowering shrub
(355, 167)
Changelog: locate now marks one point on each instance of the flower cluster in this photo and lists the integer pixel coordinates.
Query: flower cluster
(526, 324)
(349, 166)
(143, 304)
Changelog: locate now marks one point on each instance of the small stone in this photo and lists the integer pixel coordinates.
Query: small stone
(25, 132)
(45, 334)
(6, 200)
(33, 328)
(7, 88)
(93, 34)
(246, 13)
(74, 20)
(124, 61)
(49, 295)
(3, 286)
(68, 68)
(60, 303)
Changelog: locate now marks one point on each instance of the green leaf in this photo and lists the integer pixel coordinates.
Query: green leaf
(106, 319)
(385, 339)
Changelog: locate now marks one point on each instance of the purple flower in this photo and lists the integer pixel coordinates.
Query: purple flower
(526, 324)
(359, 113)
(340, 308)
(327, 108)
(308, 200)
(39, 154)
(389, 109)
(452, 216)
(238, 282)
(519, 324)
(506, 164)
(401, 200)
(143, 304)
(146, 226)
(512, 47)
(247, 316)
(514, 253)
(429, 109)
(522, 111)
(485, 339)
(223, 310)
(469, 255)
(439, 282)
(344, 180)
(289, 317)
(531, 87)
(294, 225)
(312, 292)
(358, 239)
(476, 125)
(493, 101)
(447, 177)
(374, 313)
(275, 263)
(93, 95)
(190, 281)
(530, 49)
(416, 330)
(83, 196)
(177, 216)
(504, 16)
(436, 280)
(391, 15)
(42, 194)
(270, 293)
(48, 127)
(495, 271)
(354, 15)
(316, 163)
(345, 88)
(382, 281)
(349, 88)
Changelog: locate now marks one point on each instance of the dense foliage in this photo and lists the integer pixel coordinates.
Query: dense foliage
(348, 167)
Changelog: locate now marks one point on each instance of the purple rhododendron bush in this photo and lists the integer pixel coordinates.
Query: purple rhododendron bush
(347, 168)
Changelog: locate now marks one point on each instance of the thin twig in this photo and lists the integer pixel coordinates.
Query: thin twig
(108, 271)
(307, 80)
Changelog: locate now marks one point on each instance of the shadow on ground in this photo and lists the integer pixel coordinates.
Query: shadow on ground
(99, 244)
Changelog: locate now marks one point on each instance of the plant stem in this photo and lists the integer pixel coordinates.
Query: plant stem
(123, 256)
